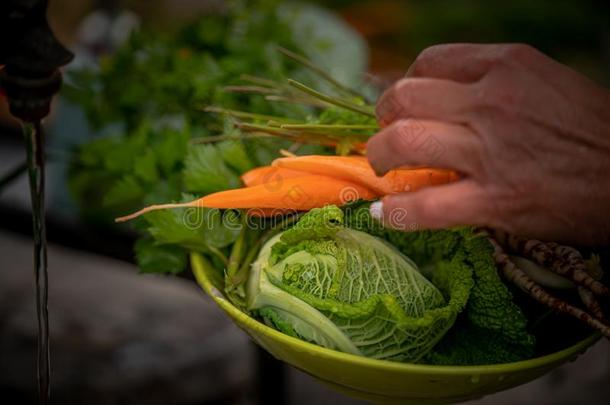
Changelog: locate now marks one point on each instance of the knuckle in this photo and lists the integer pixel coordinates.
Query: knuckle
(373, 146)
(390, 106)
(499, 92)
(403, 92)
(405, 86)
(520, 52)
(500, 89)
(511, 55)
(403, 134)
(424, 59)
(428, 52)
(433, 52)
(404, 95)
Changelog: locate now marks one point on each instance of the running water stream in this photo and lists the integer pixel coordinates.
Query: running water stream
(36, 172)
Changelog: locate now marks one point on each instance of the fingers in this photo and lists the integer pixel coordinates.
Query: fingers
(468, 63)
(463, 63)
(440, 83)
(461, 203)
(424, 98)
(424, 143)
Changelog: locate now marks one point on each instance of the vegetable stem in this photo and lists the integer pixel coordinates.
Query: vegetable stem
(365, 110)
(261, 81)
(216, 252)
(329, 126)
(313, 102)
(319, 71)
(240, 275)
(291, 135)
(287, 153)
(250, 89)
(247, 115)
(237, 252)
(220, 138)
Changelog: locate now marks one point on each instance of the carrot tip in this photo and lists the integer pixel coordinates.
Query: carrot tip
(127, 217)
(149, 209)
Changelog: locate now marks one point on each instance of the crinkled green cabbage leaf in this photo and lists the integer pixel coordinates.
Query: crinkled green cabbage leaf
(492, 329)
(348, 290)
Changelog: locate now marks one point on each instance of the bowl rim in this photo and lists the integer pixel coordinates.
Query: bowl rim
(204, 282)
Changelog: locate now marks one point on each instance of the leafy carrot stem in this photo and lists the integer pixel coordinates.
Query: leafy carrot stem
(365, 110)
(319, 71)
(329, 126)
(220, 138)
(251, 89)
(248, 115)
(262, 81)
(310, 101)
(316, 138)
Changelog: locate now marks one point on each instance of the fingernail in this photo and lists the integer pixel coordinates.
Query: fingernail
(376, 210)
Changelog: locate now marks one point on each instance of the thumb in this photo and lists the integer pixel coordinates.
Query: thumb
(461, 203)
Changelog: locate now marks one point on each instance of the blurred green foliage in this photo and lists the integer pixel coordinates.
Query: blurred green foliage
(147, 100)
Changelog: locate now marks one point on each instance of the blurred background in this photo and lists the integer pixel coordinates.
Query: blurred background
(119, 337)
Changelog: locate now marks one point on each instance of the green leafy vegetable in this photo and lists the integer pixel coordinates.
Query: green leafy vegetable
(113, 174)
(155, 258)
(147, 101)
(337, 278)
(235, 155)
(198, 229)
(176, 232)
(348, 290)
(205, 170)
(492, 329)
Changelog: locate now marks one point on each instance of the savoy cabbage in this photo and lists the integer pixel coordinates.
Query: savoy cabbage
(350, 291)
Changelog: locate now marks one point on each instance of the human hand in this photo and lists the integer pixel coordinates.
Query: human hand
(531, 136)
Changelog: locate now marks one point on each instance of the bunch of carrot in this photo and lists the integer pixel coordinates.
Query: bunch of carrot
(301, 183)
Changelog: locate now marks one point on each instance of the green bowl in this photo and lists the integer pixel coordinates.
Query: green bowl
(383, 381)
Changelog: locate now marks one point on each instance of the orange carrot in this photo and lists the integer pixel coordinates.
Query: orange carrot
(269, 174)
(270, 212)
(401, 180)
(298, 193)
(358, 170)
